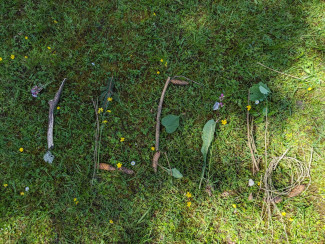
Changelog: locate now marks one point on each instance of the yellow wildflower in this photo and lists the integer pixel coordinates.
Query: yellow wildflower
(12, 56)
(309, 88)
(158, 72)
(21, 149)
(26, 56)
(0, 59)
(122, 139)
(119, 165)
(108, 111)
(100, 110)
(74, 199)
(154, 13)
(234, 206)
(109, 99)
(58, 107)
(224, 121)
(111, 221)
(188, 194)
(49, 48)
(77, 202)
(258, 183)
(152, 148)
(248, 107)
(55, 22)
(189, 204)
(26, 37)
(291, 219)
(105, 121)
(22, 193)
(161, 60)
(283, 214)
(5, 185)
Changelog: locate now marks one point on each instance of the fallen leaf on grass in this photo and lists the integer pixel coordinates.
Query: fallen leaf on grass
(111, 168)
(296, 191)
(179, 82)
(155, 161)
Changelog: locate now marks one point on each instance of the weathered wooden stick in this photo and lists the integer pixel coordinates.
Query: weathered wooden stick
(53, 104)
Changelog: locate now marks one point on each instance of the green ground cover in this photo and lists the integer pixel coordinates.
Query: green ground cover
(140, 44)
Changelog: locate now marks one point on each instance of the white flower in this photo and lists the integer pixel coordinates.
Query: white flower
(133, 163)
(216, 106)
(257, 102)
(251, 182)
(93, 64)
(26, 188)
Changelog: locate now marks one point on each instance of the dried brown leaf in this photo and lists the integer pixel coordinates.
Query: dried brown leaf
(277, 199)
(179, 82)
(106, 167)
(126, 170)
(296, 191)
(155, 161)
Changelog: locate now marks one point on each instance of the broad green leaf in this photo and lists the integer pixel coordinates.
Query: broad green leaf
(171, 122)
(207, 137)
(263, 88)
(175, 173)
(255, 93)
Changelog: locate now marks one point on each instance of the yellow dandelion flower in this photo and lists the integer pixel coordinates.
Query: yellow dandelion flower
(119, 165)
(22, 193)
(108, 111)
(111, 221)
(291, 219)
(154, 14)
(58, 107)
(74, 199)
(122, 139)
(109, 99)
(105, 121)
(0, 59)
(161, 60)
(12, 56)
(55, 22)
(258, 183)
(234, 206)
(224, 121)
(309, 88)
(188, 194)
(26, 37)
(5, 185)
(158, 72)
(49, 48)
(100, 110)
(21, 149)
(152, 148)
(283, 214)
(248, 107)
(189, 204)
(77, 202)
(26, 56)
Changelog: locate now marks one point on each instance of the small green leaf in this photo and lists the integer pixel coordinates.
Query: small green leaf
(171, 122)
(175, 173)
(263, 90)
(207, 137)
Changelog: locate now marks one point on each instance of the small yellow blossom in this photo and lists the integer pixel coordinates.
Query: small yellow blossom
(26, 56)
(0, 59)
(105, 121)
(21, 149)
(22, 193)
(122, 139)
(58, 107)
(109, 99)
(258, 183)
(152, 148)
(291, 219)
(49, 48)
(158, 72)
(55, 22)
(108, 111)
(248, 107)
(76, 202)
(188, 194)
(154, 13)
(119, 165)
(189, 204)
(74, 199)
(5, 185)
(224, 121)
(100, 110)
(111, 221)
(234, 206)
(283, 214)
(26, 37)
(161, 60)
(12, 56)
(309, 88)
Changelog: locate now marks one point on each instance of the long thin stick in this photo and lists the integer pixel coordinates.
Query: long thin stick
(159, 113)
(53, 104)
(279, 71)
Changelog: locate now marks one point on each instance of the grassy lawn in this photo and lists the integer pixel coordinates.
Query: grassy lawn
(218, 44)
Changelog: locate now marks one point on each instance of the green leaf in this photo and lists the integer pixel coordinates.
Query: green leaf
(255, 93)
(175, 173)
(207, 137)
(263, 88)
(171, 122)
(265, 111)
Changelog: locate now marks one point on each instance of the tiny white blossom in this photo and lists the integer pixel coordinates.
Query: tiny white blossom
(216, 106)
(257, 102)
(93, 64)
(26, 188)
(251, 182)
(133, 163)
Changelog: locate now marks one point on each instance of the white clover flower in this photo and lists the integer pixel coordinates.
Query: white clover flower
(251, 182)
(216, 106)
(26, 188)
(257, 102)
(133, 163)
